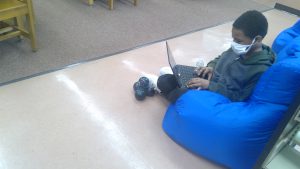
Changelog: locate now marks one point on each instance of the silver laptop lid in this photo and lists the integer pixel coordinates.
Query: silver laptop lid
(171, 59)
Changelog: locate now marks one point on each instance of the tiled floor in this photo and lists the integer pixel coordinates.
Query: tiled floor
(87, 117)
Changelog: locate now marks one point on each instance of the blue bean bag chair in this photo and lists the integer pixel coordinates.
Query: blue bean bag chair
(234, 134)
(286, 36)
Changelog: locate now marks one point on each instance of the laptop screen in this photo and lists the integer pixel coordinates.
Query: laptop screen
(171, 59)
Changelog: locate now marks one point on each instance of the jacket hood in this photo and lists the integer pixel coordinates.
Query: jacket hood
(265, 56)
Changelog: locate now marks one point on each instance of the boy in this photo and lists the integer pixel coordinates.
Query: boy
(236, 71)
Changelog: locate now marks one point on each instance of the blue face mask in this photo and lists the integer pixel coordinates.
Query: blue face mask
(240, 49)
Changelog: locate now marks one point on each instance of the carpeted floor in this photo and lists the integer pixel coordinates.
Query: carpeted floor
(70, 32)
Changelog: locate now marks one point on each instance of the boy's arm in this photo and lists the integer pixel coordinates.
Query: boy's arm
(213, 62)
(222, 89)
(249, 87)
(236, 94)
(232, 94)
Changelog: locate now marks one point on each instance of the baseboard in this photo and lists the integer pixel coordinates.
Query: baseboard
(287, 9)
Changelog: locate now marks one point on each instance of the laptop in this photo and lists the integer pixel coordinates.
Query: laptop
(182, 73)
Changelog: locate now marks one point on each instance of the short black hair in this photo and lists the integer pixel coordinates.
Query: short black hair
(252, 23)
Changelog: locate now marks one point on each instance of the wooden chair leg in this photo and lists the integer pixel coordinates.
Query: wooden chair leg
(20, 24)
(5, 27)
(31, 26)
(32, 35)
(111, 4)
(135, 2)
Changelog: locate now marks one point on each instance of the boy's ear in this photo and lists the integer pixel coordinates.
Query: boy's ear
(259, 38)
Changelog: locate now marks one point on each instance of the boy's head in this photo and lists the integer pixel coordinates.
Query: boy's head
(250, 28)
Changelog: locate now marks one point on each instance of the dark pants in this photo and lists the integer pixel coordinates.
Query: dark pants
(169, 87)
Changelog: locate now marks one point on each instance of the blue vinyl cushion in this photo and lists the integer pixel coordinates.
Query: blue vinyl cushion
(234, 134)
(286, 36)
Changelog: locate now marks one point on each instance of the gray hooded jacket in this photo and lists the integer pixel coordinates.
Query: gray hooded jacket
(235, 77)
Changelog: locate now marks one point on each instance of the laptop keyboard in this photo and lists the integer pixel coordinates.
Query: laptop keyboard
(185, 73)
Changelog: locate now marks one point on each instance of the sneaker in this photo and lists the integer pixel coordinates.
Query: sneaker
(139, 91)
(143, 88)
(152, 82)
(165, 70)
(200, 63)
(148, 84)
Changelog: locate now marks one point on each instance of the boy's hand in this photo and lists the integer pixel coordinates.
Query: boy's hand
(198, 83)
(204, 72)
